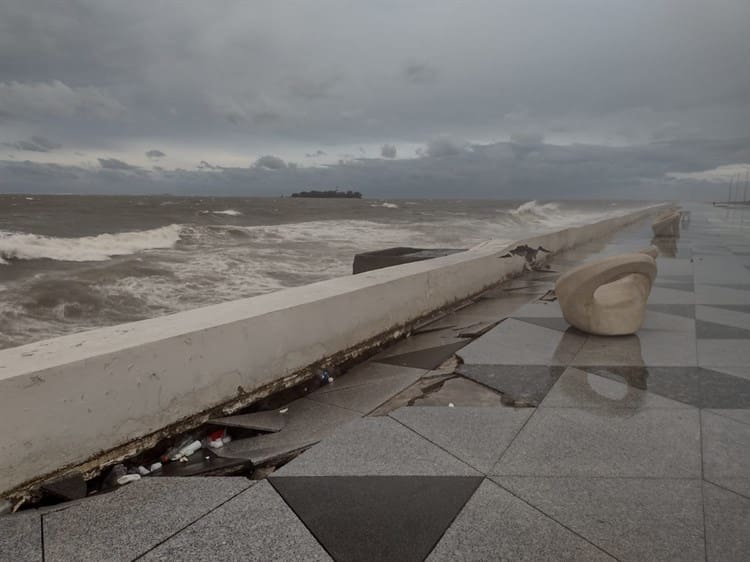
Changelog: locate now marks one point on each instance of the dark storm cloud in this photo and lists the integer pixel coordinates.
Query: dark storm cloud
(388, 151)
(486, 171)
(115, 164)
(270, 162)
(154, 154)
(284, 77)
(36, 144)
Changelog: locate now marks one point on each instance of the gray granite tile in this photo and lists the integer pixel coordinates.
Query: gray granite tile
(723, 316)
(647, 347)
(696, 386)
(21, 537)
(712, 330)
(495, 525)
(375, 447)
(740, 415)
(743, 308)
(127, 523)
(539, 309)
(370, 373)
(684, 310)
(478, 436)
(601, 442)
(664, 284)
(308, 422)
(418, 342)
(365, 397)
(518, 343)
(271, 421)
(428, 358)
(631, 518)
(726, 452)
(559, 324)
(458, 391)
(672, 267)
(716, 295)
(725, 269)
(580, 389)
(723, 352)
(377, 518)
(525, 385)
(662, 295)
(256, 525)
(727, 524)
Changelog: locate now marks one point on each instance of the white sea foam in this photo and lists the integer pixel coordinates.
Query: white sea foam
(229, 212)
(20, 246)
(386, 205)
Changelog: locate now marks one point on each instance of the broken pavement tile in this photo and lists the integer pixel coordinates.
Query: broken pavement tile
(204, 463)
(69, 487)
(268, 421)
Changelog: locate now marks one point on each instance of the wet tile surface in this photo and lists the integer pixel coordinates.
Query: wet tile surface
(519, 343)
(696, 386)
(377, 517)
(134, 519)
(525, 384)
(630, 518)
(255, 525)
(581, 388)
(495, 525)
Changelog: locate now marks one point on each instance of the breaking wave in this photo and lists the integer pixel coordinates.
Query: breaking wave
(20, 246)
(386, 205)
(227, 212)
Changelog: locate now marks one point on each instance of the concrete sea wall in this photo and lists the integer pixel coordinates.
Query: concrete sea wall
(68, 400)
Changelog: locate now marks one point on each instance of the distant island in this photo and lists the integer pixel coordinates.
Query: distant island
(334, 193)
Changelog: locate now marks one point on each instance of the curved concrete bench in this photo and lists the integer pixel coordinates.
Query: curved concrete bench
(608, 297)
(667, 224)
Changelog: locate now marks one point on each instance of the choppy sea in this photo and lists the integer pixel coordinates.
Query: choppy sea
(71, 263)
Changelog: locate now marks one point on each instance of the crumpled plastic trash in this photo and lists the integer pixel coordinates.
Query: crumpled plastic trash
(127, 479)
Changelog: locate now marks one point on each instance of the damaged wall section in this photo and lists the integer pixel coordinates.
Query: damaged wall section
(67, 400)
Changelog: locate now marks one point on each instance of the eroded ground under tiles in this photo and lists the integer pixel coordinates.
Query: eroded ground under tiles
(497, 432)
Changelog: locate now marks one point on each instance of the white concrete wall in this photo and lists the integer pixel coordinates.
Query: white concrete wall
(67, 399)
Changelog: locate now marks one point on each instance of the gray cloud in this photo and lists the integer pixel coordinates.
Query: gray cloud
(445, 146)
(115, 164)
(388, 151)
(154, 154)
(659, 170)
(286, 77)
(270, 162)
(316, 154)
(36, 144)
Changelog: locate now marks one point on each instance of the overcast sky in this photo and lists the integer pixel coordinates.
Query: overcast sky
(477, 98)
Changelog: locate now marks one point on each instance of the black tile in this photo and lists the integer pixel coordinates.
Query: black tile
(697, 386)
(715, 331)
(527, 384)
(684, 310)
(557, 323)
(371, 518)
(429, 358)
